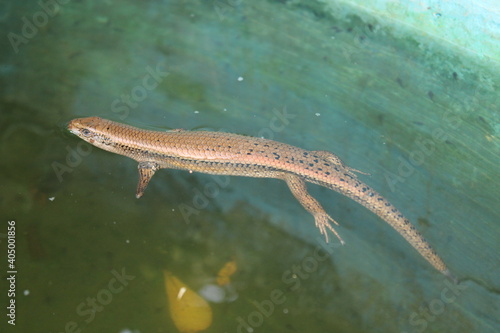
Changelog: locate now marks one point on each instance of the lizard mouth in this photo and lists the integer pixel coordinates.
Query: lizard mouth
(72, 128)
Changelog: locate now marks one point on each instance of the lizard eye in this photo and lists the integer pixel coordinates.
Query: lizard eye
(85, 132)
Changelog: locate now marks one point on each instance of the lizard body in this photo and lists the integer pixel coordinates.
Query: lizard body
(232, 154)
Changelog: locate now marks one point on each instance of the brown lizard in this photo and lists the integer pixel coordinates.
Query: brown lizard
(231, 154)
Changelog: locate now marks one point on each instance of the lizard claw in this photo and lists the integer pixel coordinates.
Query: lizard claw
(322, 222)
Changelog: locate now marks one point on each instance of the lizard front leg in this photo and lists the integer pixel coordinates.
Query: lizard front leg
(299, 190)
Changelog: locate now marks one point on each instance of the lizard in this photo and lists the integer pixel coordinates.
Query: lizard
(222, 153)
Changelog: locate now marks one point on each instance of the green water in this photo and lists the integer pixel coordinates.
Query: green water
(419, 116)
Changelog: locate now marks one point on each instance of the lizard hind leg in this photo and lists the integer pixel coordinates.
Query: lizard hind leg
(299, 190)
(331, 157)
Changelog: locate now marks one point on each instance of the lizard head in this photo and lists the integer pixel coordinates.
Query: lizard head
(85, 128)
(92, 130)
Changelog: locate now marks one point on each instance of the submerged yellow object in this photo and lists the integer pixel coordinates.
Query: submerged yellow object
(189, 311)
(224, 275)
